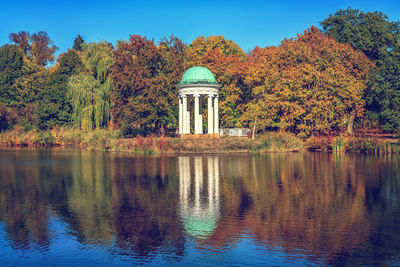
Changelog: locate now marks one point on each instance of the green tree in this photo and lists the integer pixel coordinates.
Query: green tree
(379, 39)
(20, 83)
(28, 88)
(53, 107)
(89, 90)
(7, 117)
(69, 63)
(78, 43)
(11, 64)
(82, 89)
(383, 98)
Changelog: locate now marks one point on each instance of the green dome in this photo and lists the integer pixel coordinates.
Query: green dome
(199, 226)
(198, 75)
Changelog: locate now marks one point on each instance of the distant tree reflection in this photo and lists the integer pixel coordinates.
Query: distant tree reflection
(330, 208)
(144, 207)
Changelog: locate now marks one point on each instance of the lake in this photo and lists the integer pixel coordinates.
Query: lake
(68, 208)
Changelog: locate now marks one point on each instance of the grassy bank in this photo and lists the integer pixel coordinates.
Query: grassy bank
(112, 140)
(278, 142)
(354, 144)
(96, 140)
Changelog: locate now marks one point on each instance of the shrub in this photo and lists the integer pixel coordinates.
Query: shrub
(45, 138)
(279, 142)
(164, 144)
(320, 143)
(338, 144)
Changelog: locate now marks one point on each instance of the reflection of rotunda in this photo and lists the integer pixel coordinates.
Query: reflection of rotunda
(199, 204)
(198, 82)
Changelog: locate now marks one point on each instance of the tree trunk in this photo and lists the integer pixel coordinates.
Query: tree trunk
(350, 124)
(253, 134)
(162, 131)
(111, 122)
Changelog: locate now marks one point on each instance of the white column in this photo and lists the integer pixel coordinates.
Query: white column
(210, 115)
(180, 172)
(200, 116)
(216, 126)
(216, 178)
(198, 180)
(184, 114)
(187, 118)
(211, 182)
(186, 181)
(180, 116)
(196, 115)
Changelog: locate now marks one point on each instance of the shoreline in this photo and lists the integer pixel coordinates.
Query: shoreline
(175, 151)
(271, 142)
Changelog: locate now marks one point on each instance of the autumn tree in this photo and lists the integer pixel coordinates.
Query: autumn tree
(379, 39)
(200, 46)
(145, 76)
(38, 46)
(89, 90)
(172, 57)
(227, 61)
(22, 39)
(310, 85)
(42, 48)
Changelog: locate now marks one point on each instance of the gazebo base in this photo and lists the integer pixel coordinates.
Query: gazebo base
(199, 136)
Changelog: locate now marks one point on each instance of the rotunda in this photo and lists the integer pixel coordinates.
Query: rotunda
(198, 82)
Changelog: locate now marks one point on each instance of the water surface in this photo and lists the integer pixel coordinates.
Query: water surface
(69, 208)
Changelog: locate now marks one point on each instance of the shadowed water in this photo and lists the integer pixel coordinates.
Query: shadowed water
(69, 208)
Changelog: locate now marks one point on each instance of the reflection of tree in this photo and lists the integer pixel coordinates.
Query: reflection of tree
(89, 198)
(144, 207)
(324, 205)
(129, 201)
(27, 189)
(311, 202)
(382, 202)
(103, 198)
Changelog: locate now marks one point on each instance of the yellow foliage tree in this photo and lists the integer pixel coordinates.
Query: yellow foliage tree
(226, 60)
(310, 85)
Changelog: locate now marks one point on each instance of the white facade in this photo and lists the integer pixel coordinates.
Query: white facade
(198, 92)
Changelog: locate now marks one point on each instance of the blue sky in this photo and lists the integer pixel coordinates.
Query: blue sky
(248, 23)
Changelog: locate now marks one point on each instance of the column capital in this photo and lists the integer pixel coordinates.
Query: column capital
(196, 95)
(210, 96)
(183, 96)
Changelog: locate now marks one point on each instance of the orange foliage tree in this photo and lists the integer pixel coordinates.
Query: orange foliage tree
(309, 85)
(226, 60)
(144, 93)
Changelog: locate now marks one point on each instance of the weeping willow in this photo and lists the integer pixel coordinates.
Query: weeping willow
(88, 90)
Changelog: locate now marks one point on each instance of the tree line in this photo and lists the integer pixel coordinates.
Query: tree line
(326, 80)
